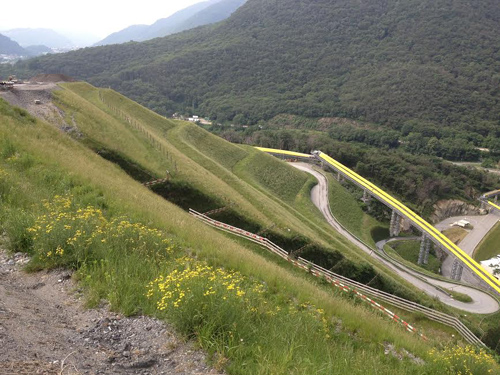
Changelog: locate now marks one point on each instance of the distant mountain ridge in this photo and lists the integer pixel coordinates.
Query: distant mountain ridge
(199, 14)
(9, 47)
(35, 37)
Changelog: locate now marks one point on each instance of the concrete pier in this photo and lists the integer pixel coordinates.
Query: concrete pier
(456, 270)
(395, 226)
(425, 248)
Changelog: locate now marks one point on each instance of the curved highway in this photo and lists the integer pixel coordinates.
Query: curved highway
(482, 303)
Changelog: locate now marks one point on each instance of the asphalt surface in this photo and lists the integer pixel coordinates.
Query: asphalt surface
(481, 226)
(482, 303)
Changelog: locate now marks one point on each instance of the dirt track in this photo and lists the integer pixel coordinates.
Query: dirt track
(44, 329)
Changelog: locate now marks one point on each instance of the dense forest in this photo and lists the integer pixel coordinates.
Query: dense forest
(389, 87)
(388, 62)
(412, 136)
(420, 180)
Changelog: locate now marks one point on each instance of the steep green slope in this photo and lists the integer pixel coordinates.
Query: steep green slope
(46, 175)
(488, 248)
(209, 173)
(382, 61)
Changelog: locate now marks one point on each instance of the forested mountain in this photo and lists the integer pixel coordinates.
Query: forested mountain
(218, 11)
(128, 34)
(199, 14)
(383, 61)
(9, 47)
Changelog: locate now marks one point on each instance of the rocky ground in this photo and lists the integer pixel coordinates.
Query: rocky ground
(45, 329)
(36, 98)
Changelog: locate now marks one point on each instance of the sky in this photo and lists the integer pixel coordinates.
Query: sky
(96, 17)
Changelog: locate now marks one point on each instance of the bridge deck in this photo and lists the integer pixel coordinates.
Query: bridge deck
(435, 235)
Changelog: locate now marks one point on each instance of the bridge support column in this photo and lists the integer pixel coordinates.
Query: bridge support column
(484, 206)
(495, 199)
(425, 248)
(340, 178)
(456, 270)
(395, 226)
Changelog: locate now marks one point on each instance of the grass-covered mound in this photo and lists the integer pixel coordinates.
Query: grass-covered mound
(66, 206)
(206, 172)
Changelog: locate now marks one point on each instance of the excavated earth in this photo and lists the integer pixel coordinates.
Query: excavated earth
(45, 329)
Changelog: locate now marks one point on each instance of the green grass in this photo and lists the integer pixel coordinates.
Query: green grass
(211, 168)
(455, 234)
(459, 296)
(286, 335)
(347, 209)
(39, 162)
(409, 250)
(281, 180)
(215, 171)
(489, 246)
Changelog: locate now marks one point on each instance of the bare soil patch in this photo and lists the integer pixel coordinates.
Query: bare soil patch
(36, 98)
(45, 329)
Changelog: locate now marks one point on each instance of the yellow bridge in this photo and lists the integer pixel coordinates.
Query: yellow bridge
(433, 234)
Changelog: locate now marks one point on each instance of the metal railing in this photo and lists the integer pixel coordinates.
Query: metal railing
(350, 286)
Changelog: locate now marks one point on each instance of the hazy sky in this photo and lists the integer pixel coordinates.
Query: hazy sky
(97, 17)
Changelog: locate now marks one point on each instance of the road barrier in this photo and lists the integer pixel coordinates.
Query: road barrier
(352, 287)
(156, 182)
(434, 234)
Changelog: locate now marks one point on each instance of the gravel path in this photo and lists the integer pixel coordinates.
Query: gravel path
(44, 329)
(481, 226)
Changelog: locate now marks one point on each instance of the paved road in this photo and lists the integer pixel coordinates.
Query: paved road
(482, 225)
(482, 302)
(475, 165)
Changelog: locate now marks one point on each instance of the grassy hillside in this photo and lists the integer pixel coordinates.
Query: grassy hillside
(58, 196)
(347, 209)
(208, 173)
(489, 246)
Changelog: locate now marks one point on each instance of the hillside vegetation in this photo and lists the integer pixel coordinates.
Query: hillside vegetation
(67, 206)
(488, 248)
(420, 180)
(379, 61)
(209, 173)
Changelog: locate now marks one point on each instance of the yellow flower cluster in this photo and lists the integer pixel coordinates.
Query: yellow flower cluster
(3, 173)
(66, 226)
(179, 284)
(63, 215)
(464, 360)
(193, 284)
